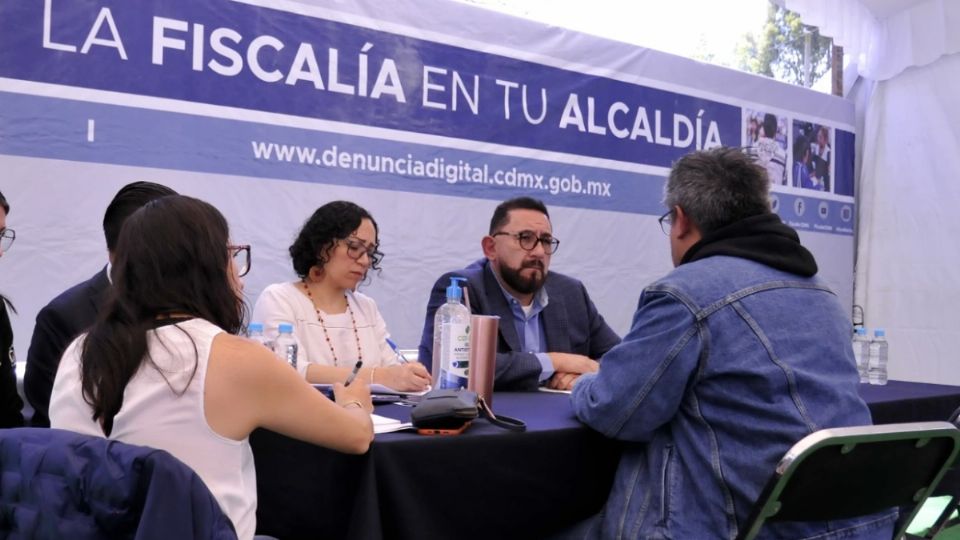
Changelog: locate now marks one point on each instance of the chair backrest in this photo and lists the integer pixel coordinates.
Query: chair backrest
(843, 473)
(59, 484)
(955, 417)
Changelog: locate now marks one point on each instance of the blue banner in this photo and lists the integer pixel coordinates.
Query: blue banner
(238, 55)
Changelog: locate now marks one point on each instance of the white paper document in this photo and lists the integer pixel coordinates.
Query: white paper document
(375, 389)
(552, 391)
(383, 424)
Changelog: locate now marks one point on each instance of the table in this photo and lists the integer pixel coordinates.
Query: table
(486, 483)
(900, 401)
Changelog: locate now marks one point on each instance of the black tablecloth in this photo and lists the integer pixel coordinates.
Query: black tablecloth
(899, 401)
(486, 483)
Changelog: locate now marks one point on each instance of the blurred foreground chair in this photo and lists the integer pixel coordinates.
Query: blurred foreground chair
(843, 473)
(949, 486)
(60, 484)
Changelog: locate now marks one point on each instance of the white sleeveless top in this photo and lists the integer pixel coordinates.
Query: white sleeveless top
(155, 415)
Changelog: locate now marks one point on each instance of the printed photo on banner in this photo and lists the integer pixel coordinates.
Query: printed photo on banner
(766, 135)
(812, 155)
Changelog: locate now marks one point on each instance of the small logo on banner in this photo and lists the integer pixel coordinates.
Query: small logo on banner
(799, 206)
(823, 210)
(774, 203)
(846, 213)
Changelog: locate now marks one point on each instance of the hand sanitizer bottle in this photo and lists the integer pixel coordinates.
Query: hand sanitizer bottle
(451, 340)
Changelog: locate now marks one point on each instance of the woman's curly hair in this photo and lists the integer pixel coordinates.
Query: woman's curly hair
(329, 223)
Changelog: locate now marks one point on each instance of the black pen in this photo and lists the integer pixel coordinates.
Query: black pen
(353, 374)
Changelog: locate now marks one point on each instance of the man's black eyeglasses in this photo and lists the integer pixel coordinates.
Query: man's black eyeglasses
(666, 221)
(528, 241)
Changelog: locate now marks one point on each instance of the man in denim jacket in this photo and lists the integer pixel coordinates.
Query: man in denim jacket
(732, 358)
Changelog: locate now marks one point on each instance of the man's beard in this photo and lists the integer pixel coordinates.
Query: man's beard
(521, 284)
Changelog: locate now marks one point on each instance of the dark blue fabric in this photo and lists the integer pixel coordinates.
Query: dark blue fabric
(59, 484)
(58, 323)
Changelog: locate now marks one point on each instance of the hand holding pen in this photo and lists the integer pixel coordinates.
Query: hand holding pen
(353, 374)
(357, 395)
(407, 376)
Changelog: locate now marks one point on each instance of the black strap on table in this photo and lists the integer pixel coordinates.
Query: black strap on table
(505, 422)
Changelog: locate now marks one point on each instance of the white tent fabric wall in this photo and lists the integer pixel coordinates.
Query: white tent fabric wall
(906, 278)
(907, 251)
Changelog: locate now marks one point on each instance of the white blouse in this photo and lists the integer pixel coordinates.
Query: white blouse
(286, 303)
(155, 413)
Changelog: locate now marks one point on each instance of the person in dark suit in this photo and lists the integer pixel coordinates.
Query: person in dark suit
(10, 403)
(74, 310)
(550, 332)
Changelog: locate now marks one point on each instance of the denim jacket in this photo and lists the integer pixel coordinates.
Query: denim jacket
(727, 364)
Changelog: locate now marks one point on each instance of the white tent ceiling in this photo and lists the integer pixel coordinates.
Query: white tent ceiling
(884, 37)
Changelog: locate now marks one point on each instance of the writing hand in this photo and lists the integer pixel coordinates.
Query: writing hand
(410, 377)
(358, 391)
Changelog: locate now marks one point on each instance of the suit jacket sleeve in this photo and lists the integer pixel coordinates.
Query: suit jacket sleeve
(51, 336)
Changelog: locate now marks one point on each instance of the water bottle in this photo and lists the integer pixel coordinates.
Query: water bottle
(285, 346)
(878, 357)
(255, 332)
(861, 351)
(451, 340)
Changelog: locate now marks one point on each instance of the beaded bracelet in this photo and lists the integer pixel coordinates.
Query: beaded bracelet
(352, 402)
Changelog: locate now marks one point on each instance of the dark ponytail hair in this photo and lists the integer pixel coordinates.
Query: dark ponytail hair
(171, 259)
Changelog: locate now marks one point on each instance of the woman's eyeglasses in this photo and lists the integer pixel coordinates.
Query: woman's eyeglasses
(7, 236)
(241, 258)
(356, 249)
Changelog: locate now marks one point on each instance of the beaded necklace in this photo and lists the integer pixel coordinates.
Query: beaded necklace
(353, 320)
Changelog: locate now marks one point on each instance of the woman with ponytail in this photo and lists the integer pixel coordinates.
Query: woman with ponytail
(162, 368)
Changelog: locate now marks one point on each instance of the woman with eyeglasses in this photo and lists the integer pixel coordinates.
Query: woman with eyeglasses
(336, 326)
(161, 368)
(10, 403)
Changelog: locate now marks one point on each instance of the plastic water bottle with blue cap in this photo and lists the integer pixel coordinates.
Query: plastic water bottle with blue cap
(861, 351)
(285, 346)
(451, 340)
(255, 332)
(878, 357)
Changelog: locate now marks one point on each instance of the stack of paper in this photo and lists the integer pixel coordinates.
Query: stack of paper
(374, 389)
(383, 424)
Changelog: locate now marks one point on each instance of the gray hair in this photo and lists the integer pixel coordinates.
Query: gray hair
(718, 187)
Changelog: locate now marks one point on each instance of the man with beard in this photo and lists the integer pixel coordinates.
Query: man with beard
(550, 331)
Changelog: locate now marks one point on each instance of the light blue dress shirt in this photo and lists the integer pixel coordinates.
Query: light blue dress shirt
(530, 328)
